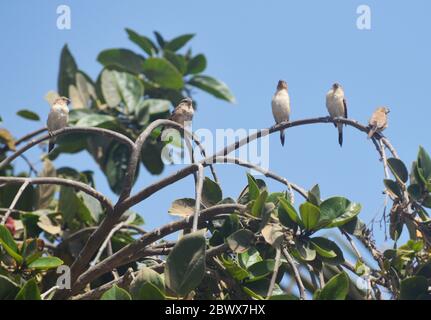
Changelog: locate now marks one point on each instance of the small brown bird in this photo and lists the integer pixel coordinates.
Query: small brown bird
(337, 107)
(378, 121)
(57, 118)
(281, 106)
(183, 113)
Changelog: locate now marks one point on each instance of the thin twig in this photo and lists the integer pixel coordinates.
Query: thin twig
(48, 292)
(199, 185)
(296, 274)
(275, 272)
(105, 243)
(15, 201)
(352, 244)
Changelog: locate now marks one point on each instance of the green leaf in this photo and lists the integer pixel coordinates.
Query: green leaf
(328, 250)
(29, 115)
(235, 270)
(253, 189)
(290, 210)
(143, 42)
(151, 158)
(149, 107)
(182, 207)
(116, 293)
(211, 193)
(273, 234)
(336, 289)
(67, 72)
(424, 163)
(8, 288)
(159, 39)
(399, 169)
(305, 250)
(310, 215)
(96, 120)
(178, 61)
(337, 207)
(314, 195)
(185, 265)
(197, 64)
(45, 263)
(148, 285)
(212, 86)
(258, 204)
(178, 42)
(414, 288)
(124, 59)
(29, 291)
(117, 163)
(121, 87)
(261, 269)
(355, 227)
(163, 73)
(393, 188)
(7, 139)
(240, 240)
(9, 245)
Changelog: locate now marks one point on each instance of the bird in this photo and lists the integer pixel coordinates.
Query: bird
(57, 118)
(281, 106)
(378, 121)
(183, 112)
(337, 107)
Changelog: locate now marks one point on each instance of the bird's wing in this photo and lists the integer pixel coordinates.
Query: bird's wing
(345, 107)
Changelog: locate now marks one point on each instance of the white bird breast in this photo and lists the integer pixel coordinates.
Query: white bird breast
(281, 106)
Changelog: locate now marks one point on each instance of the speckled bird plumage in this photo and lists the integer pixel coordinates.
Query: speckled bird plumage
(281, 106)
(183, 113)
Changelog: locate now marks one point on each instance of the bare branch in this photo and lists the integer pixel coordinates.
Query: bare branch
(199, 185)
(15, 201)
(275, 272)
(295, 273)
(64, 182)
(68, 130)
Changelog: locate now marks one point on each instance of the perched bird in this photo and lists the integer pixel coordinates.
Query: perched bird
(57, 118)
(183, 112)
(378, 121)
(281, 106)
(337, 107)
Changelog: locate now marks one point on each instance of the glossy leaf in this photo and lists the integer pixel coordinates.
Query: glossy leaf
(185, 265)
(328, 250)
(212, 86)
(178, 42)
(314, 195)
(28, 114)
(45, 263)
(124, 59)
(8, 244)
(163, 73)
(143, 42)
(398, 169)
(258, 204)
(337, 207)
(290, 210)
(29, 291)
(424, 163)
(273, 234)
(211, 193)
(116, 293)
(240, 240)
(197, 64)
(393, 188)
(253, 189)
(336, 289)
(310, 215)
(8, 288)
(147, 285)
(67, 72)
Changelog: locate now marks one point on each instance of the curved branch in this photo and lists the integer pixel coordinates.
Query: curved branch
(62, 182)
(134, 249)
(90, 130)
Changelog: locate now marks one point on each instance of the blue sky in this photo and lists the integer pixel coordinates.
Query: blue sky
(250, 45)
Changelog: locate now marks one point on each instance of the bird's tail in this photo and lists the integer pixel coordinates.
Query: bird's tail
(340, 134)
(51, 145)
(282, 137)
(371, 132)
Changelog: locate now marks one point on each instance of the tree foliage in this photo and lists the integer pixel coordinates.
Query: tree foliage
(248, 247)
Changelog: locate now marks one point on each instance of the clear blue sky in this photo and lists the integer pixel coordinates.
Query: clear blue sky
(250, 45)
